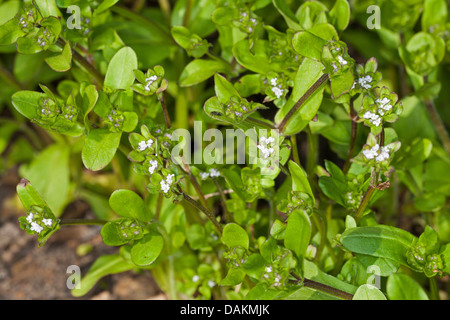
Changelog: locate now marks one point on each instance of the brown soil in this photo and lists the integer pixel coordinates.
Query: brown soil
(29, 272)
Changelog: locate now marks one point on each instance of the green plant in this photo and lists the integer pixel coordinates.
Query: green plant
(122, 95)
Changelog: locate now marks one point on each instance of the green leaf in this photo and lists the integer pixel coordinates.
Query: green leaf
(103, 266)
(254, 265)
(47, 8)
(27, 102)
(199, 70)
(29, 196)
(146, 250)
(49, 174)
(299, 179)
(235, 236)
(104, 5)
(308, 73)
(333, 189)
(286, 12)
(129, 204)
(90, 97)
(368, 292)
(341, 83)
(61, 62)
(311, 271)
(298, 232)
(10, 32)
(120, 73)
(380, 241)
(99, 148)
(340, 14)
(309, 43)
(234, 277)
(224, 89)
(400, 286)
(434, 14)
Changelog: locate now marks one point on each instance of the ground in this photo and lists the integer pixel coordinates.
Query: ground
(30, 272)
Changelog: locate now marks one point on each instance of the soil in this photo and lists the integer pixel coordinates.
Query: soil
(31, 272)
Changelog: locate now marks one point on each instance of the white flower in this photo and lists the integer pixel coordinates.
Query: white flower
(268, 269)
(47, 222)
(153, 166)
(265, 146)
(149, 82)
(372, 152)
(204, 175)
(195, 278)
(373, 118)
(214, 173)
(238, 114)
(278, 92)
(30, 217)
(376, 153)
(383, 105)
(211, 283)
(36, 227)
(145, 144)
(165, 184)
(384, 154)
(342, 61)
(142, 146)
(273, 81)
(335, 68)
(365, 82)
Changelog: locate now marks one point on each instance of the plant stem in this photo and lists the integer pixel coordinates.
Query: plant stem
(260, 123)
(434, 294)
(438, 124)
(164, 108)
(323, 287)
(295, 154)
(223, 200)
(88, 222)
(159, 206)
(86, 64)
(208, 214)
(281, 126)
(364, 202)
(352, 137)
(9, 78)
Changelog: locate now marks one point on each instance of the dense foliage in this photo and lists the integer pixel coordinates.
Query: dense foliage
(327, 177)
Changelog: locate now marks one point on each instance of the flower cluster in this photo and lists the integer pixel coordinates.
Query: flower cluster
(129, 229)
(335, 58)
(213, 173)
(145, 144)
(51, 110)
(266, 147)
(375, 111)
(273, 277)
(247, 21)
(167, 183)
(151, 82)
(115, 120)
(39, 221)
(375, 155)
(28, 19)
(295, 200)
(276, 87)
(235, 257)
(48, 109)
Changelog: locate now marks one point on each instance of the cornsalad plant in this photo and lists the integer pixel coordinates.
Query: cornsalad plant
(342, 141)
